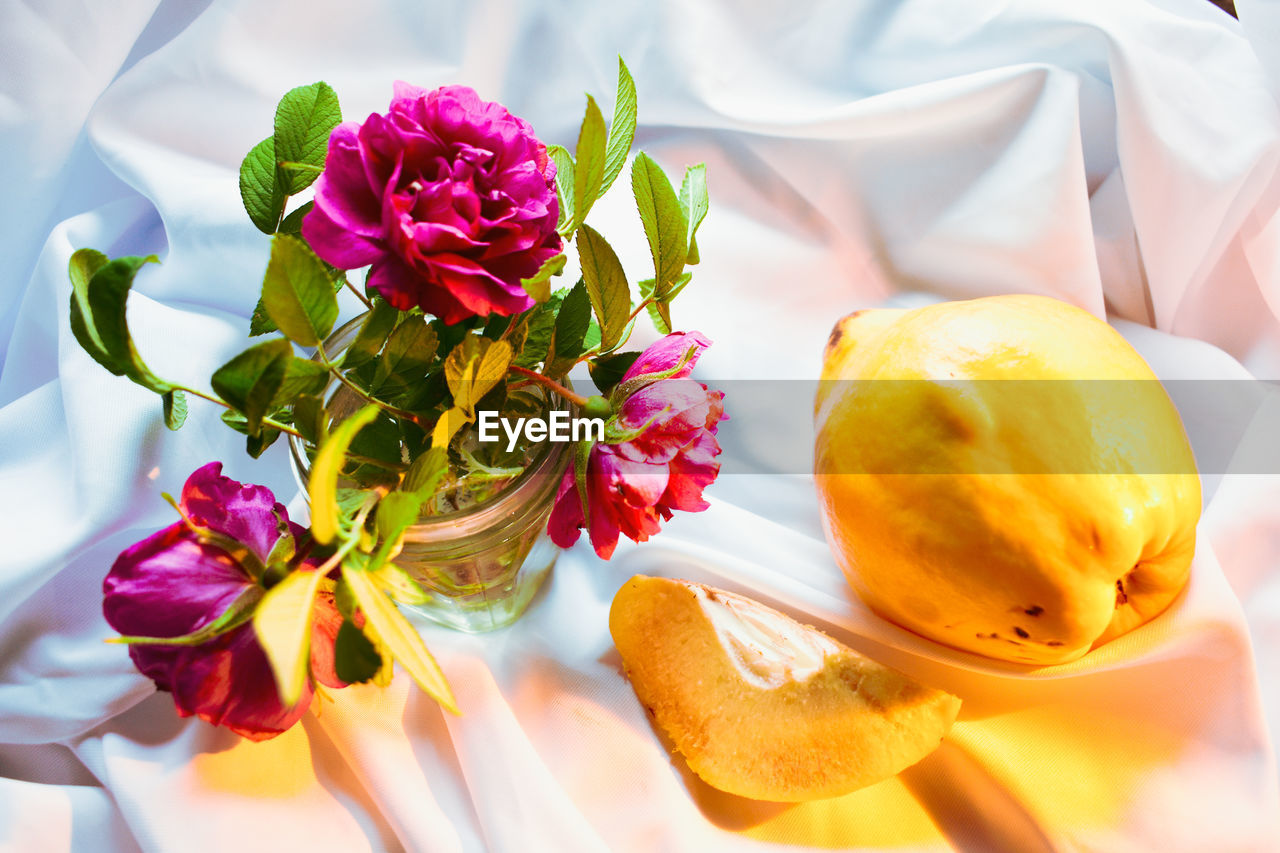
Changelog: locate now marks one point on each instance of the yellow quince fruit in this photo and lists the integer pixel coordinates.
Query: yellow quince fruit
(1003, 475)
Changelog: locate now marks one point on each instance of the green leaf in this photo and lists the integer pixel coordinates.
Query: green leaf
(541, 325)
(302, 376)
(282, 625)
(292, 223)
(572, 323)
(473, 367)
(372, 335)
(251, 380)
(309, 418)
(606, 285)
(261, 189)
(607, 371)
(256, 445)
(305, 117)
(105, 324)
(355, 660)
(539, 285)
(694, 202)
(259, 322)
(81, 268)
(298, 293)
(409, 352)
(400, 638)
(659, 312)
(589, 160)
(175, 409)
(322, 487)
(237, 613)
(379, 440)
(622, 129)
(564, 186)
(426, 472)
(663, 219)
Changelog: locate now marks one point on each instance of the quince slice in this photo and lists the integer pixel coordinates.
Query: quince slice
(762, 706)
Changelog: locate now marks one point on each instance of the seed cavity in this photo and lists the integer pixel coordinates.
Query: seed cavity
(1122, 597)
(1020, 632)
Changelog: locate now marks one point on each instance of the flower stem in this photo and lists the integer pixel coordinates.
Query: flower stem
(643, 305)
(404, 414)
(367, 303)
(576, 399)
(267, 421)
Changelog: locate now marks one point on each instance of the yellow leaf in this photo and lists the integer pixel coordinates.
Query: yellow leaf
(322, 488)
(447, 427)
(400, 638)
(282, 624)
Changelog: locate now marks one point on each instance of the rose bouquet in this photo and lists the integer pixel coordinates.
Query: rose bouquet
(455, 219)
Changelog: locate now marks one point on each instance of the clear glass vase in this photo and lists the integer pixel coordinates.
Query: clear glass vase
(480, 565)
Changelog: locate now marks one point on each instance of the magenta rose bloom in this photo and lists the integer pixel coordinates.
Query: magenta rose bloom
(171, 584)
(451, 199)
(634, 485)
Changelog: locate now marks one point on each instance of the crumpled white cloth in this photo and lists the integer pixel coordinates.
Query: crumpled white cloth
(1120, 156)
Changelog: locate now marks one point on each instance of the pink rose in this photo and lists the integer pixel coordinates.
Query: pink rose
(172, 584)
(450, 198)
(635, 484)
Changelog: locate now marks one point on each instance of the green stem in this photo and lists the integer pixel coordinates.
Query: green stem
(643, 305)
(367, 303)
(576, 399)
(353, 538)
(267, 421)
(404, 414)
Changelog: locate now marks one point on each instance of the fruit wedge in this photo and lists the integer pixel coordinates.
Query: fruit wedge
(762, 706)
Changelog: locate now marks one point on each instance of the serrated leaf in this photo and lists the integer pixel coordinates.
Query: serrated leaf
(372, 335)
(302, 376)
(541, 325)
(401, 639)
(589, 159)
(538, 286)
(175, 409)
(292, 223)
(572, 323)
(282, 624)
(98, 316)
(622, 129)
(298, 293)
(261, 189)
(607, 371)
(564, 186)
(259, 322)
(694, 202)
(473, 367)
(250, 381)
(322, 487)
(664, 223)
(410, 350)
(355, 660)
(426, 472)
(305, 117)
(606, 284)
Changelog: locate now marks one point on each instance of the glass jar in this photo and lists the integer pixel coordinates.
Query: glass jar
(480, 566)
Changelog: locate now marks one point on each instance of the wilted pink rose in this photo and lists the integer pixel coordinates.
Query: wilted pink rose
(171, 584)
(450, 198)
(634, 485)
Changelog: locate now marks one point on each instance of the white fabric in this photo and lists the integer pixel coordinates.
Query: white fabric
(1120, 156)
